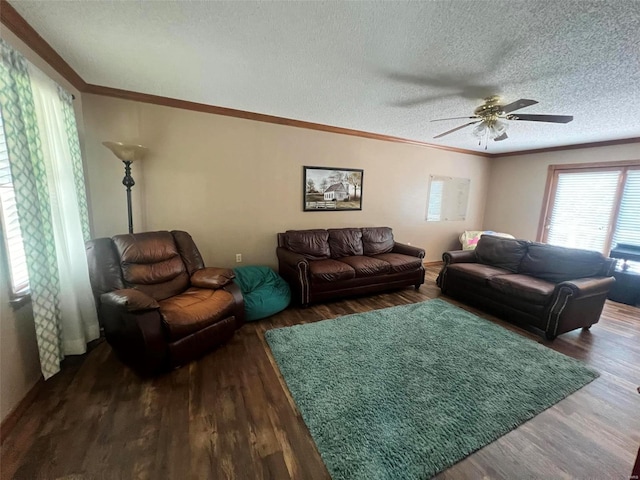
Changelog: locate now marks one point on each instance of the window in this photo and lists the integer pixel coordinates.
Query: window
(10, 226)
(628, 224)
(592, 207)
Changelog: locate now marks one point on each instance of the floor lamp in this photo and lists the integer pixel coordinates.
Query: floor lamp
(128, 153)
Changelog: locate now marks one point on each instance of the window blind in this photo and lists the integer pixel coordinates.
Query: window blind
(628, 225)
(582, 209)
(11, 227)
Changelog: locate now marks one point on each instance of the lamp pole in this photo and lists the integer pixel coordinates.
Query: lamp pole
(128, 182)
(128, 153)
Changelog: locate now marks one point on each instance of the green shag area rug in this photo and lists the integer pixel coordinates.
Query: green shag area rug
(405, 392)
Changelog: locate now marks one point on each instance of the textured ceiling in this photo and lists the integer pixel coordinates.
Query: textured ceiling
(382, 67)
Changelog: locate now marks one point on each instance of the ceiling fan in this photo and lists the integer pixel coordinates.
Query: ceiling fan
(491, 115)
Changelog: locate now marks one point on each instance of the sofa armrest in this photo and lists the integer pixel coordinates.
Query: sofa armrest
(408, 250)
(459, 256)
(290, 258)
(130, 300)
(212, 277)
(294, 268)
(588, 287)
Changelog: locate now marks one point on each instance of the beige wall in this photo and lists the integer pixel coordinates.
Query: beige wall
(234, 183)
(516, 187)
(19, 361)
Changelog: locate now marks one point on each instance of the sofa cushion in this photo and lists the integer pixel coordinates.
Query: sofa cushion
(500, 252)
(195, 309)
(377, 240)
(475, 271)
(524, 287)
(558, 264)
(400, 262)
(345, 242)
(322, 271)
(366, 266)
(312, 244)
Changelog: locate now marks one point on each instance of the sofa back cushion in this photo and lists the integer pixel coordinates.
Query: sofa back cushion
(151, 263)
(312, 244)
(558, 264)
(377, 240)
(345, 242)
(500, 252)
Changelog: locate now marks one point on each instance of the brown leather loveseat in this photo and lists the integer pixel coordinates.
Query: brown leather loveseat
(553, 288)
(158, 304)
(325, 264)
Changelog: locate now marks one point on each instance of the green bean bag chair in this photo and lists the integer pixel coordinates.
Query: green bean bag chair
(265, 292)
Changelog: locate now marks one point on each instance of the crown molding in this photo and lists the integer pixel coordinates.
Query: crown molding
(19, 26)
(25, 32)
(575, 146)
(261, 117)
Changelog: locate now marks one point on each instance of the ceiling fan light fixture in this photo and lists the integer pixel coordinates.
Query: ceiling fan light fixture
(490, 128)
(497, 129)
(480, 130)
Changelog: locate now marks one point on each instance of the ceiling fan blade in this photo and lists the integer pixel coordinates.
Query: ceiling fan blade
(518, 104)
(452, 118)
(541, 118)
(504, 136)
(456, 129)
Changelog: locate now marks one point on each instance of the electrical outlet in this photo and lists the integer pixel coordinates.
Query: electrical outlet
(238, 258)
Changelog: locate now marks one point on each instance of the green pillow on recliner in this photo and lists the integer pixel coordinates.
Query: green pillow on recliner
(265, 292)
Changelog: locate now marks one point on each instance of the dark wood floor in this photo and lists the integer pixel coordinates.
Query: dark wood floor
(228, 416)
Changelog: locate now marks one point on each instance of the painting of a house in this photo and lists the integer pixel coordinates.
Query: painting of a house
(336, 192)
(327, 189)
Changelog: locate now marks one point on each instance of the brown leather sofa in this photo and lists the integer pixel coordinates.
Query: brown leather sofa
(554, 289)
(157, 303)
(326, 264)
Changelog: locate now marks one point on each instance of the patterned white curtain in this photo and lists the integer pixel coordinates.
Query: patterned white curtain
(46, 168)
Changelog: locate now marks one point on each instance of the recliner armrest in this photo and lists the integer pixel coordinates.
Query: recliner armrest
(212, 277)
(129, 299)
(459, 256)
(234, 289)
(408, 250)
(290, 258)
(587, 287)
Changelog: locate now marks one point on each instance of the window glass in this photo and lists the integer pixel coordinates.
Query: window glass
(10, 225)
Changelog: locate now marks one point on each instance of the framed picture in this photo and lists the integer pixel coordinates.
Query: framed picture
(328, 189)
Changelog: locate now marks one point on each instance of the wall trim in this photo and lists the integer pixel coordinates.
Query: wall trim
(25, 32)
(435, 263)
(575, 146)
(10, 421)
(261, 117)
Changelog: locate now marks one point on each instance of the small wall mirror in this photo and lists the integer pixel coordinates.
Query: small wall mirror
(447, 198)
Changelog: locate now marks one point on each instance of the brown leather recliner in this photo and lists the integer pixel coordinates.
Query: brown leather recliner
(158, 304)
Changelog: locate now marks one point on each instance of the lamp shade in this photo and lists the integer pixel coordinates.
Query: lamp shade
(127, 152)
